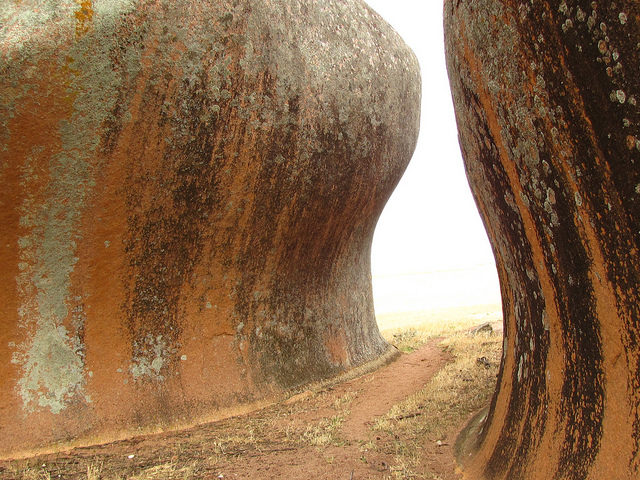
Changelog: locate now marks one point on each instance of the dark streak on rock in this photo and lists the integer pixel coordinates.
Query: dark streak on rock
(617, 228)
(167, 235)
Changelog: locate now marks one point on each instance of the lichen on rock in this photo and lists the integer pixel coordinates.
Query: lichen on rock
(189, 195)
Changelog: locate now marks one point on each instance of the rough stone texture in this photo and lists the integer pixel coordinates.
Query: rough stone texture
(546, 96)
(189, 192)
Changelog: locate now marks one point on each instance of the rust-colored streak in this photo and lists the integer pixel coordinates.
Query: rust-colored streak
(84, 16)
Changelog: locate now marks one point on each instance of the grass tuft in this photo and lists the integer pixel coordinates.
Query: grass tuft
(324, 433)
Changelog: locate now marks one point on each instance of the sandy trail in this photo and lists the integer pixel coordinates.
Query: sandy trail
(380, 390)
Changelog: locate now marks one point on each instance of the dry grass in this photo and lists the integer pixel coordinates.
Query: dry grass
(94, 472)
(457, 390)
(168, 471)
(165, 471)
(461, 388)
(31, 473)
(344, 402)
(324, 433)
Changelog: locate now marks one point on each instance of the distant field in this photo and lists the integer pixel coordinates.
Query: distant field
(427, 300)
(477, 285)
(443, 320)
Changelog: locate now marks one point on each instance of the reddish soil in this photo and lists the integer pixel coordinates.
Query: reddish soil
(276, 442)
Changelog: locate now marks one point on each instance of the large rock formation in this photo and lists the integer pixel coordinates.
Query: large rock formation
(546, 96)
(189, 191)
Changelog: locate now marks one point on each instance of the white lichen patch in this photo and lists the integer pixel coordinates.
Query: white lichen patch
(34, 34)
(156, 355)
(53, 367)
(520, 369)
(602, 47)
(568, 24)
(51, 357)
(563, 8)
(622, 17)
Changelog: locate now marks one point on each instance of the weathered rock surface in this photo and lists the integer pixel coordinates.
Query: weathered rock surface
(189, 191)
(546, 96)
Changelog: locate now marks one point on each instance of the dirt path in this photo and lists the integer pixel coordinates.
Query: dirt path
(318, 435)
(380, 390)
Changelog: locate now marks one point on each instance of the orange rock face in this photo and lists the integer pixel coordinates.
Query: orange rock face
(189, 192)
(546, 97)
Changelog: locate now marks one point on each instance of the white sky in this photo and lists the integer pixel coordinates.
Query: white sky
(431, 221)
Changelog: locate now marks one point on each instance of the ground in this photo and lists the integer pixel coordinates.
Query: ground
(399, 421)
